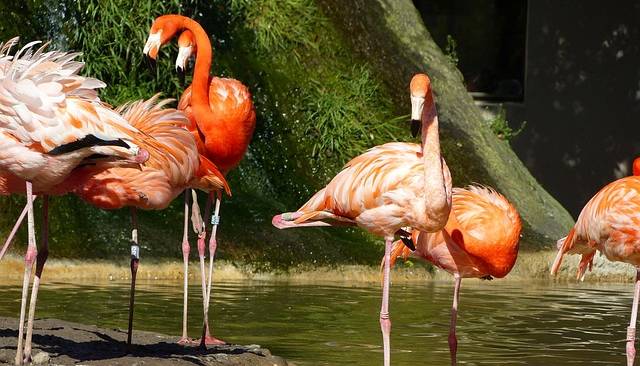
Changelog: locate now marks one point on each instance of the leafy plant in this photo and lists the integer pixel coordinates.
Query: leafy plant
(450, 50)
(500, 126)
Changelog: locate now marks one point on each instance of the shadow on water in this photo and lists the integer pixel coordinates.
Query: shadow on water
(500, 323)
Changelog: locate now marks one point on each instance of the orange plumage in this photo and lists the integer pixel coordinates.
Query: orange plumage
(481, 237)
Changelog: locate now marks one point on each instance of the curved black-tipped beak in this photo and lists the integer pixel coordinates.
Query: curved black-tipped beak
(180, 72)
(416, 126)
(150, 62)
(408, 243)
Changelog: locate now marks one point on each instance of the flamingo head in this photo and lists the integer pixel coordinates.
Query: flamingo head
(162, 30)
(420, 95)
(636, 166)
(186, 48)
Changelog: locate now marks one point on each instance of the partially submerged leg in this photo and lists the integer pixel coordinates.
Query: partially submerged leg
(42, 256)
(385, 321)
(16, 226)
(135, 260)
(453, 341)
(29, 259)
(185, 257)
(631, 331)
(213, 245)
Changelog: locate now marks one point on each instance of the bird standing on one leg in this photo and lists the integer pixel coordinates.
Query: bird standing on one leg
(388, 187)
(609, 223)
(480, 240)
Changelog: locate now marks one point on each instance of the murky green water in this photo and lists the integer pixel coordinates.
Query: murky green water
(501, 323)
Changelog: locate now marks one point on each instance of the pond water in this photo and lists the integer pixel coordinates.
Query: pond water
(500, 323)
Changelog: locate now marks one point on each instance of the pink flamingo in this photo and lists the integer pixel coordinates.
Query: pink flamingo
(609, 223)
(480, 240)
(388, 187)
(50, 123)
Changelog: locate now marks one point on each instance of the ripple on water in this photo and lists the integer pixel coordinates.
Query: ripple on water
(500, 323)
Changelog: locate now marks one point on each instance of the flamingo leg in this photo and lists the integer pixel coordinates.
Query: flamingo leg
(41, 259)
(453, 340)
(135, 260)
(631, 331)
(385, 321)
(13, 232)
(185, 257)
(215, 220)
(29, 259)
(199, 227)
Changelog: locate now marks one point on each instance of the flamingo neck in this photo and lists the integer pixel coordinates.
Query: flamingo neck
(204, 56)
(438, 204)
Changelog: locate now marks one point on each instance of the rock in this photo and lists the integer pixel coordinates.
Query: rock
(40, 358)
(78, 344)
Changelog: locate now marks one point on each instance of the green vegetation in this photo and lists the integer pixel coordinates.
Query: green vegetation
(500, 126)
(450, 50)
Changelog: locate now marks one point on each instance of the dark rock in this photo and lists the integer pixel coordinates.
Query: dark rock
(64, 343)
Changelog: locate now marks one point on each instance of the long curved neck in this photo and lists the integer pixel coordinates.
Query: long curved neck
(200, 84)
(437, 202)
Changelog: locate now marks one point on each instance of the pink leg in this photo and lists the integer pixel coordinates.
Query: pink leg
(631, 331)
(453, 341)
(185, 257)
(43, 254)
(385, 321)
(13, 232)
(215, 220)
(199, 227)
(135, 261)
(29, 259)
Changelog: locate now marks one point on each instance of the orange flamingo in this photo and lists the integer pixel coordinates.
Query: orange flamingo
(174, 164)
(222, 119)
(480, 240)
(609, 223)
(50, 123)
(386, 188)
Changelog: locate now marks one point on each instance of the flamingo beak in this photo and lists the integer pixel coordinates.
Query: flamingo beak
(417, 106)
(408, 242)
(151, 48)
(181, 61)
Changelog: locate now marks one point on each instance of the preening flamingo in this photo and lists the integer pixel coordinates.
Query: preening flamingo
(174, 164)
(222, 119)
(480, 240)
(388, 187)
(609, 223)
(50, 123)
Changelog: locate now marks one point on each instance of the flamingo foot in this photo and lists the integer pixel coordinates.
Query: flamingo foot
(210, 341)
(186, 341)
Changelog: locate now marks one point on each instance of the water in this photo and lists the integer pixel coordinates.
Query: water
(500, 323)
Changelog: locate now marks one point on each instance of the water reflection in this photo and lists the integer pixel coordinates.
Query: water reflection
(500, 323)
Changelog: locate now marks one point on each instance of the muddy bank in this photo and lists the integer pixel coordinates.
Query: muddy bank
(530, 265)
(58, 342)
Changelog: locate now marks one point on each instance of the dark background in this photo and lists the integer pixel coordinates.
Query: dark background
(571, 69)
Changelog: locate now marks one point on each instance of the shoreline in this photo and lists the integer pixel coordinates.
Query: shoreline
(59, 342)
(530, 266)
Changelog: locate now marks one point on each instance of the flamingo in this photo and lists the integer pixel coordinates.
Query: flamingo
(174, 164)
(50, 123)
(388, 187)
(480, 240)
(609, 223)
(222, 119)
